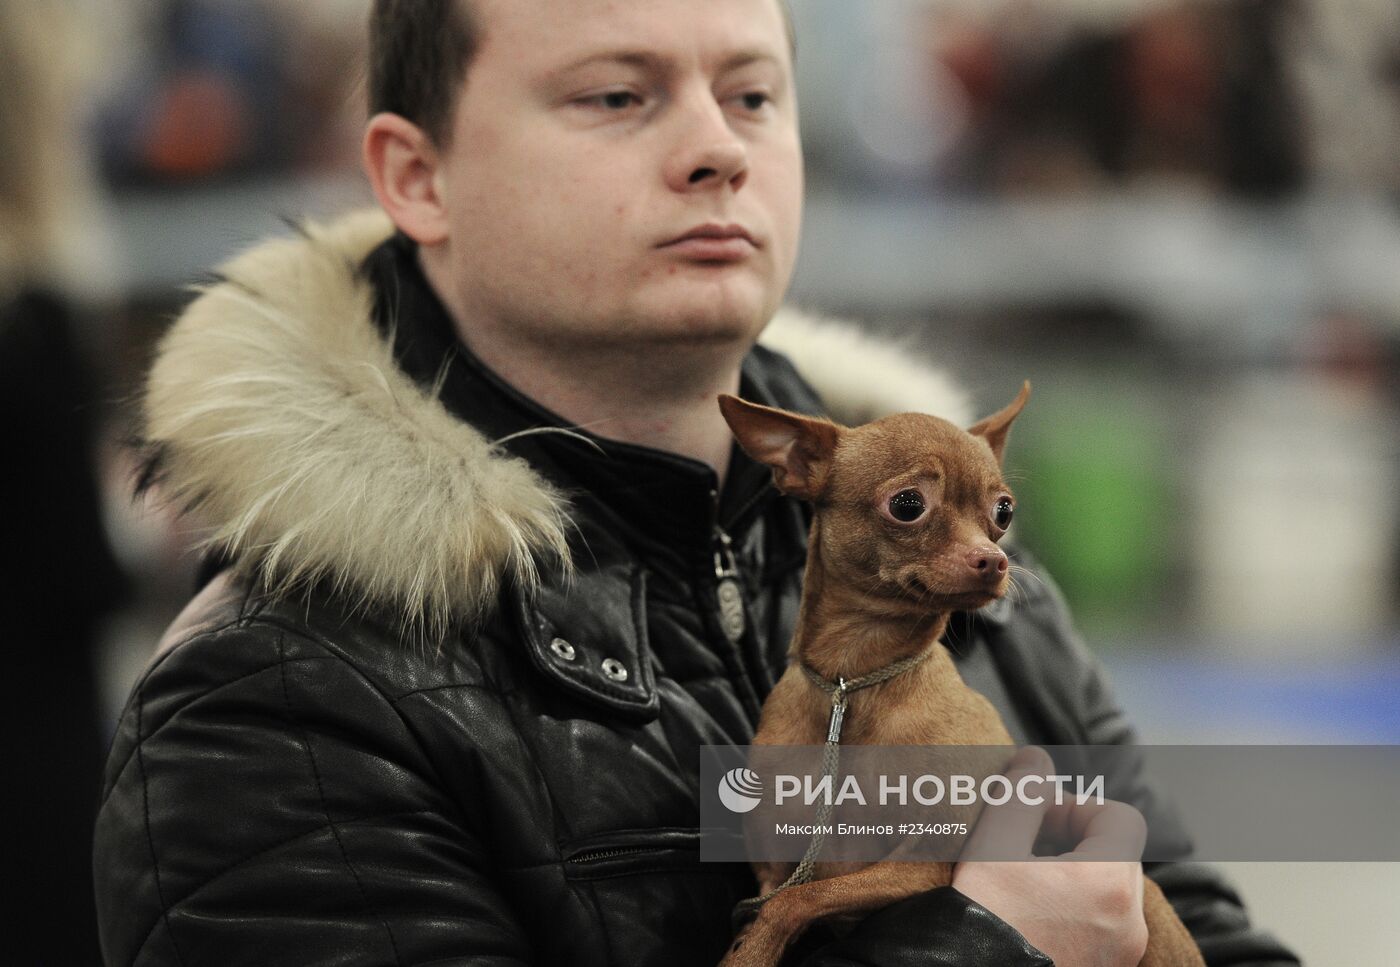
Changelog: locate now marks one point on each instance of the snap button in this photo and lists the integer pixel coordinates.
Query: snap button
(614, 669)
(563, 649)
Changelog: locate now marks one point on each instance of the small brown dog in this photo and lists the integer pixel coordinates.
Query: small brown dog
(908, 511)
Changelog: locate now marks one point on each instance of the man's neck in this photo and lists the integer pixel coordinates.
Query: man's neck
(626, 399)
(659, 396)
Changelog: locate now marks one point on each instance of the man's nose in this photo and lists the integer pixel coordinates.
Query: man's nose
(708, 153)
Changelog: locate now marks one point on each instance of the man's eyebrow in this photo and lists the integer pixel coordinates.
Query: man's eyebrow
(632, 58)
(649, 59)
(744, 58)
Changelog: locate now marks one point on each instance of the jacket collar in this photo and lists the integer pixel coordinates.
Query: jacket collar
(666, 505)
(278, 415)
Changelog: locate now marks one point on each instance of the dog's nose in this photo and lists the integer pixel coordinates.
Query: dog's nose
(988, 561)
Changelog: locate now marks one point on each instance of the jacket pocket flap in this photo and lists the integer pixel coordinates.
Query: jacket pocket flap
(591, 638)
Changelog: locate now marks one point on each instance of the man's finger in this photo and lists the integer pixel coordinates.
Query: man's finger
(1112, 831)
(1008, 831)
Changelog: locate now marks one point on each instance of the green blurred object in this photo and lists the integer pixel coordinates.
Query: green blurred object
(1096, 501)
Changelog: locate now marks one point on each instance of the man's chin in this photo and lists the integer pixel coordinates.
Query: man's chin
(706, 319)
(731, 301)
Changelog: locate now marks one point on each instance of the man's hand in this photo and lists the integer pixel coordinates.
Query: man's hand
(1082, 913)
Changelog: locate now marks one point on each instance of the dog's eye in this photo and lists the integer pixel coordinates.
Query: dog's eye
(907, 506)
(1001, 515)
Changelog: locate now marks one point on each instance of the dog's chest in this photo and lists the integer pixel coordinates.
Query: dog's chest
(950, 714)
(930, 709)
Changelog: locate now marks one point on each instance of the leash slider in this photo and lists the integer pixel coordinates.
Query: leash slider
(838, 711)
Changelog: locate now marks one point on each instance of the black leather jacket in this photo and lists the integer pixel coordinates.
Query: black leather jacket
(293, 782)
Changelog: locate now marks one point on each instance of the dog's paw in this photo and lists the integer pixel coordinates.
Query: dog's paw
(753, 948)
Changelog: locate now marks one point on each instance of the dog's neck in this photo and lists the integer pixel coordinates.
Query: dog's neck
(842, 632)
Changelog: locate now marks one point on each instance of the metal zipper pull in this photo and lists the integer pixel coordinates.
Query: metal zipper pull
(731, 599)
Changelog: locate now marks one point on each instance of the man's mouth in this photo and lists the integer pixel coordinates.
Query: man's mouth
(714, 243)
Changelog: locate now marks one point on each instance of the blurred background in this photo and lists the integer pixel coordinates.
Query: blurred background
(1180, 219)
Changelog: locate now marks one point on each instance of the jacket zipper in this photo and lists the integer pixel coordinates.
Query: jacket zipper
(593, 856)
(727, 590)
(728, 598)
(727, 586)
(729, 603)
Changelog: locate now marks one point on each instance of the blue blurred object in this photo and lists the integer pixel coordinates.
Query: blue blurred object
(1190, 698)
(208, 104)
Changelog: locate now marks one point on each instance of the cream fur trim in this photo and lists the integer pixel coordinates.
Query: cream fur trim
(279, 414)
(276, 413)
(859, 377)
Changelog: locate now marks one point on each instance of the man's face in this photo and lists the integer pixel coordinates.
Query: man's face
(590, 135)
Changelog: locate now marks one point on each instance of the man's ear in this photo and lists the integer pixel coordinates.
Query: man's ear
(798, 448)
(403, 168)
(995, 428)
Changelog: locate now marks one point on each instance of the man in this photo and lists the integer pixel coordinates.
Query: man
(489, 566)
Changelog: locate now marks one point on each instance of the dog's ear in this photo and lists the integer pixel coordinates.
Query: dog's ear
(797, 447)
(995, 428)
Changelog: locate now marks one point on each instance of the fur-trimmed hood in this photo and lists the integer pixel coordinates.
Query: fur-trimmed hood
(275, 413)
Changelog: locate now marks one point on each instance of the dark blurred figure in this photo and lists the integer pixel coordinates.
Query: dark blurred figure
(57, 574)
(1208, 93)
(1197, 92)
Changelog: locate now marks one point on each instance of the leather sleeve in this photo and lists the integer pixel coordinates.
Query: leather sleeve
(1209, 907)
(264, 803)
(934, 928)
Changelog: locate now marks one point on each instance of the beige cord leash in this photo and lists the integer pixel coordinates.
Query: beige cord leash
(831, 755)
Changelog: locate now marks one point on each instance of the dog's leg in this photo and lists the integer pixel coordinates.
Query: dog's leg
(784, 918)
(1169, 943)
(770, 875)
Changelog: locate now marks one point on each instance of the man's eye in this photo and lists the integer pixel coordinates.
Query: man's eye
(755, 100)
(613, 100)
